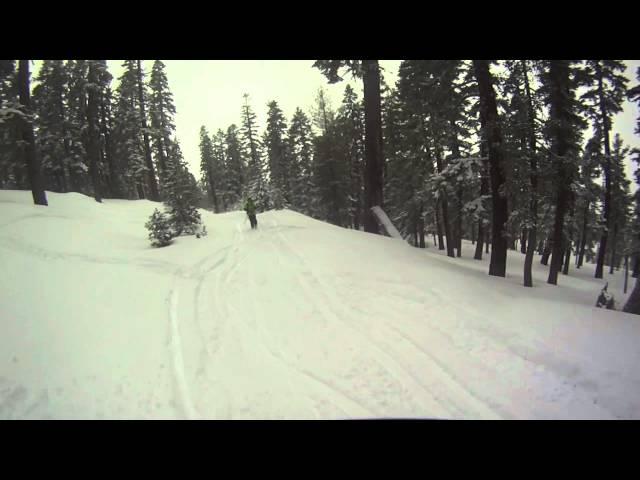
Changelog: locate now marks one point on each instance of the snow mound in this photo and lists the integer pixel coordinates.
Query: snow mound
(298, 319)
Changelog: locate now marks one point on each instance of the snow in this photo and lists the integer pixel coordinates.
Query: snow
(386, 223)
(297, 320)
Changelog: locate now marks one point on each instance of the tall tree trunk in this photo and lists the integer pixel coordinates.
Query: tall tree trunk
(559, 113)
(614, 240)
(445, 214)
(533, 180)
(492, 134)
(439, 226)
(484, 190)
(373, 143)
(480, 243)
(633, 303)
(487, 240)
(32, 161)
(523, 241)
(546, 252)
(636, 267)
(421, 227)
(93, 146)
(151, 174)
(459, 223)
(583, 239)
(607, 176)
(114, 183)
(567, 259)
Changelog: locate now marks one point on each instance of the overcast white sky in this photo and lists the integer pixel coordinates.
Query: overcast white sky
(209, 92)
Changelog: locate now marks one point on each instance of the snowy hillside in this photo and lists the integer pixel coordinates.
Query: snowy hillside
(297, 320)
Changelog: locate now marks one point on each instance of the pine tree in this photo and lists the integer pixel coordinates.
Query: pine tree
(93, 132)
(256, 181)
(369, 71)
(49, 98)
(31, 157)
(129, 151)
(563, 129)
(206, 166)
(521, 126)
(12, 166)
(492, 135)
(278, 156)
(182, 194)
(161, 114)
(351, 122)
(76, 125)
(150, 170)
(220, 171)
(234, 167)
(300, 137)
(160, 232)
(605, 94)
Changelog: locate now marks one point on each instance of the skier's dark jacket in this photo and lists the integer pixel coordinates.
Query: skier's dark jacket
(250, 207)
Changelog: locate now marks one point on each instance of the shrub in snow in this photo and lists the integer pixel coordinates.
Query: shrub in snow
(160, 231)
(605, 299)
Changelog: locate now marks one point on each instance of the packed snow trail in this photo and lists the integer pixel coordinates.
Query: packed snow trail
(295, 320)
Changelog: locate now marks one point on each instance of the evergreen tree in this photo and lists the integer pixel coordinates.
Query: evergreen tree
(300, 137)
(220, 173)
(30, 154)
(161, 115)
(12, 166)
(234, 167)
(492, 135)
(278, 156)
(206, 166)
(182, 193)
(351, 123)
(604, 96)
(563, 128)
(129, 150)
(93, 132)
(256, 186)
(150, 170)
(160, 232)
(49, 98)
(76, 125)
(369, 71)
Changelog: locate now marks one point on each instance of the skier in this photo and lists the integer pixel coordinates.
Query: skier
(250, 208)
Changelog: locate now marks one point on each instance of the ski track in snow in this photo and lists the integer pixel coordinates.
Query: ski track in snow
(453, 389)
(255, 328)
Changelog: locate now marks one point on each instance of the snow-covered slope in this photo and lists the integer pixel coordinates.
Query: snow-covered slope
(298, 319)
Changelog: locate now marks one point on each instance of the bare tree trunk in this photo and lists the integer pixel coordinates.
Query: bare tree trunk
(32, 161)
(493, 135)
(373, 143)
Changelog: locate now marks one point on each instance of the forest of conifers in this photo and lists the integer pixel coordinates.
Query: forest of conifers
(514, 154)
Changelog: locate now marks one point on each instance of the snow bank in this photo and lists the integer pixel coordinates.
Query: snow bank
(293, 320)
